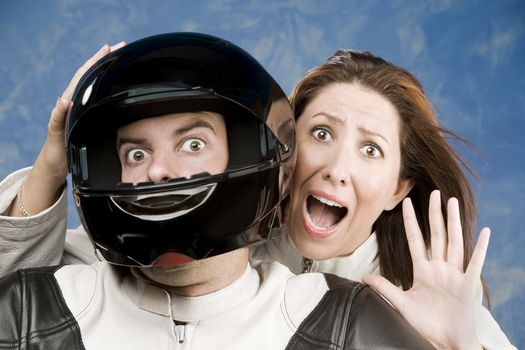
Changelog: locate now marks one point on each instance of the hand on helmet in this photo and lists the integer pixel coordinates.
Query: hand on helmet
(50, 169)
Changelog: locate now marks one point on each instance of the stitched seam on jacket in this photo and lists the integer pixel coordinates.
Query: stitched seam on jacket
(320, 306)
(300, 335)
(24, 327)
(70, 321)
(345, 324)
(356, 288)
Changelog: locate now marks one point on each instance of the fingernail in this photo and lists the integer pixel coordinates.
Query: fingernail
(117, 46)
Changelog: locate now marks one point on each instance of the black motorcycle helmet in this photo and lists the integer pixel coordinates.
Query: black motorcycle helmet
(200, 216)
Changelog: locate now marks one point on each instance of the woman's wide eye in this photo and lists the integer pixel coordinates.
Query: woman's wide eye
(371, 151)
(193, 145)
(321, 134)
(136, 155)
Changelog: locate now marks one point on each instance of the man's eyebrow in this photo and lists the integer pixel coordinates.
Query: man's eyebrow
(197, 123)
(193, 124)
(126, 139)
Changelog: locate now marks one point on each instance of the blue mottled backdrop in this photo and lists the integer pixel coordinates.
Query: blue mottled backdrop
(469, 56)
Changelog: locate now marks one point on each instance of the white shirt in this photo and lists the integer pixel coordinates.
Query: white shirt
(120, 310)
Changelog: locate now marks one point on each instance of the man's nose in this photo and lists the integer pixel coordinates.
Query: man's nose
(162, 168)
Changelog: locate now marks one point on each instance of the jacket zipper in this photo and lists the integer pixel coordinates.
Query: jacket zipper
(180, 333)
(307, 265)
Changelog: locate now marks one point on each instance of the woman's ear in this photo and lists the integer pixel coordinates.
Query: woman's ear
(403, 188)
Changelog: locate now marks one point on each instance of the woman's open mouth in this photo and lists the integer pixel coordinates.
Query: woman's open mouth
(322, 215)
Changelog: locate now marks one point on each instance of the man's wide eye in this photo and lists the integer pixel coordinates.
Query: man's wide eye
(193, 145)
(321, 134)
(136, 155)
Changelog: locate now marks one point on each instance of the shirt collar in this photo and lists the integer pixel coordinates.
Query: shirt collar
(153, 298)
(364, 260)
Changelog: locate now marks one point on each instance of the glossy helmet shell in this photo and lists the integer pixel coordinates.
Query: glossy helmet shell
(200, 216)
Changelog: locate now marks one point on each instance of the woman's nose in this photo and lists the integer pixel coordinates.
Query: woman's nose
(338, 169)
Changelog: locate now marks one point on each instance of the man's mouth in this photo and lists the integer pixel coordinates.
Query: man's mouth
(169, 259)
(323, 214)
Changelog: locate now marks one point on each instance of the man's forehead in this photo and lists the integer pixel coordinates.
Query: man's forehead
(182, 120)
(192, 115)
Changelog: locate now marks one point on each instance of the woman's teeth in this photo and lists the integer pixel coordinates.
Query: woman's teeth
(323, 214)
(327, 201)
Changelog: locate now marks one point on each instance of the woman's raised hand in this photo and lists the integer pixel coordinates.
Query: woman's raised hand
(46, 179)
(440, 304)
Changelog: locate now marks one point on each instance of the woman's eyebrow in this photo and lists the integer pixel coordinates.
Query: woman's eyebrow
(372, 133)
(339, 121)
(334, 119)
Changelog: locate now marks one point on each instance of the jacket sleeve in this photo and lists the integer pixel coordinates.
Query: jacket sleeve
(38, 240)
(489, 333)
(29, 241)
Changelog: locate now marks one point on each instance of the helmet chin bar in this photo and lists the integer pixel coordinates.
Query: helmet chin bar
(166, 205)
(100, 256)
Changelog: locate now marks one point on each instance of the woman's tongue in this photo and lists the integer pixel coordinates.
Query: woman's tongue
(321, 215)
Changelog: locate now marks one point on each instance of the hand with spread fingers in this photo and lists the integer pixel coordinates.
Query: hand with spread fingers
(440, 303)
(49, 172)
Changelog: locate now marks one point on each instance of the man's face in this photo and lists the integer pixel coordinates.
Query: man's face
(172, 146)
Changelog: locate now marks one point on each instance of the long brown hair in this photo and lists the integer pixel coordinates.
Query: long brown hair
(427, 158)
